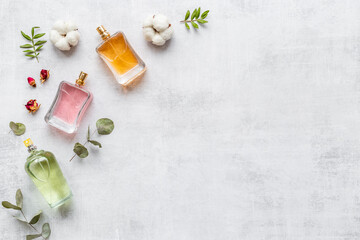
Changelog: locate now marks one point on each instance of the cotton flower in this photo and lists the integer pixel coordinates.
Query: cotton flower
(157, 29)
(64, 35)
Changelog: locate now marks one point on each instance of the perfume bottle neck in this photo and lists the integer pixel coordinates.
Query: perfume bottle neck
(103, 33)
(31, 148)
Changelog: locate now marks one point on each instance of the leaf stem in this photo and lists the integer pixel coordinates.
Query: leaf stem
(84, 145)
(30, 223)
(32, 41)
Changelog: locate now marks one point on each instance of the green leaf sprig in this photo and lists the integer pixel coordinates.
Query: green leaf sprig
(45, 232)
(104, 126)
(17, 128)
(36, 47)
(195, 18)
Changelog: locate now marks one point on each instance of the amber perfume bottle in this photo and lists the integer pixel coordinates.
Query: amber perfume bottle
(120, 57)
(69, 105)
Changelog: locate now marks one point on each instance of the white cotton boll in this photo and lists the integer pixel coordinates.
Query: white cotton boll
(148, 22)
(60, 26)
(73, 37)
(62, 44)
(167, 33)
(158, 40)
(160, 22)
(70, 26)
(55, 36)
(149, 33)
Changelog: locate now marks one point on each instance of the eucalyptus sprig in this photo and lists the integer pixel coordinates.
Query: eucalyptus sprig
(104, 126)
(195, 17)
(45, 231)
(36, 47)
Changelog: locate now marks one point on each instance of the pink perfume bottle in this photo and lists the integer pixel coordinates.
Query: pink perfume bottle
(69, 105)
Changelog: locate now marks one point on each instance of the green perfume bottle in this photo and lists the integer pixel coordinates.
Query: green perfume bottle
(45, 172)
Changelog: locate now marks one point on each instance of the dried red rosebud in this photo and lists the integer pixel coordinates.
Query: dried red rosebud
(31, 81)
(44, 75)
(32, 106)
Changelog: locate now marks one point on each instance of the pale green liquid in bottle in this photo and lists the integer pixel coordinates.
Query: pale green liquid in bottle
(45, 172)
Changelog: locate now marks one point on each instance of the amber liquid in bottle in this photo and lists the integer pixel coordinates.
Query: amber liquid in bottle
(120, 57)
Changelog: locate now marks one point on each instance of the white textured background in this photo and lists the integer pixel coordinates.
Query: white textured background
(245, 129)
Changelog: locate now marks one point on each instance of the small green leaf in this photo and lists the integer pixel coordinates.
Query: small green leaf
(187, 25)
(6, 204)
(32, 236)
(195, 25)
(198, 13)
(187, 15)
(38, 48)
(26, 46)
(95, 143)
(17, 128)
(88, 133)
(201, 21)
(46, 231)
(193, 14)
(39, 43)
(20, 218)
(35, 218)
(29, 55)
(104, 126)
(25, 36)
(204, 14)
(29, 51)
(19, 198)
(32, 30)
(39, 35)
(80, 150)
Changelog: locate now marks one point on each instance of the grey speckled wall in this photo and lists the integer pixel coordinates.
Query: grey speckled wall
(245, 129)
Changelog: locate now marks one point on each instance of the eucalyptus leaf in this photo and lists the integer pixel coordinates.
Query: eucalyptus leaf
(95, 143)
(32, 236)
(25, 36)
(33, 30)
(39, 42)
(6, 204)
(187, 25)
(80, 150)
(29, 51)
(39, 35)
(17, 128)
(187, 15)
(195, 25)
(20, 218)
(35, 218)
(104, 126)
(26, 46)
(198, 13)
(46, 231)
(193, 14)
(30, 55)
(204, 14)
(19, 198)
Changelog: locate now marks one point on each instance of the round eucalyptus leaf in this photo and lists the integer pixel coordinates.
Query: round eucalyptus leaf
(19, 198)
(32, 236)
(17, 128)
(104, 126)
(80, 150)
(46, 231)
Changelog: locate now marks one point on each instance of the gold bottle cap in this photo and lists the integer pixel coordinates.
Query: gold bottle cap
(103, 33)
(81, 80)
(28, 142)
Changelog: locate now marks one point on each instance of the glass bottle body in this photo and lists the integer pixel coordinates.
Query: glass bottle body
(68, 107)
(121, 58)
(46, 174)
